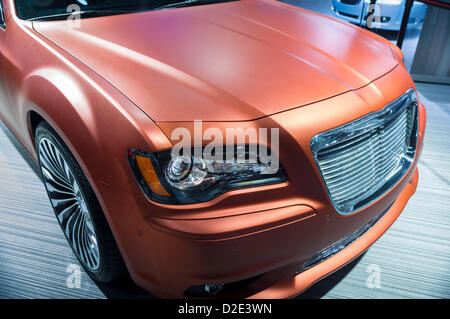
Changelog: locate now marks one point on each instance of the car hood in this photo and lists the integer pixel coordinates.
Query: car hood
(232, 61)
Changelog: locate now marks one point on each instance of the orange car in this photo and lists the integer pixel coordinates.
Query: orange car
(100, 93)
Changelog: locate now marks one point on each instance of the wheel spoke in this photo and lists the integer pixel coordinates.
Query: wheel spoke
(59, 203)
(60, 189)
(63, 215)
(51, 156)
(57, 184)
(54, 173)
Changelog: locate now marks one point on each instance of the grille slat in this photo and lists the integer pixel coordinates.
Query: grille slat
(361, 160)
(393, 129)
(350, 174)
(347, 183)
(342, 192)
(352, 189)
(357, 174)
(356, 141)
(347, 159)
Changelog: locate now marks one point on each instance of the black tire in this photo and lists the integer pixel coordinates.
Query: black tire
(109, 264)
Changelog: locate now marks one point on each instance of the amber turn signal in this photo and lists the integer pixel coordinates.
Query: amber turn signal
(148, 173)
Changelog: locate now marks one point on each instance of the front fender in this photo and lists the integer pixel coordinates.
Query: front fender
(94, 125)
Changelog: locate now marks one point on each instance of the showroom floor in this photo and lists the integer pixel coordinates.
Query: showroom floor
(413, 257)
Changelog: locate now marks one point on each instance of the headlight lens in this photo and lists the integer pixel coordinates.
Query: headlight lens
(189, 179)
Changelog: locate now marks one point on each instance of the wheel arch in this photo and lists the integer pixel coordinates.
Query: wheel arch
(33, 120)
(97, 127)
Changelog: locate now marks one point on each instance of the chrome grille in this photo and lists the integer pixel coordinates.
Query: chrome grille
(362, 160)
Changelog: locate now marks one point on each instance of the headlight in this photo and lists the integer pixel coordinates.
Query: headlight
(188, 179)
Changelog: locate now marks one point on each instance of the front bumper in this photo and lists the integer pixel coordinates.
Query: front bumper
(267, 233)
(167, 256)
(299, 283)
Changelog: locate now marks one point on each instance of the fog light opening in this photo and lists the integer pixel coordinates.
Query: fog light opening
(213, 289)
(236, 288)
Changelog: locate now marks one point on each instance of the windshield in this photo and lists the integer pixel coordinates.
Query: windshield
(61, 9)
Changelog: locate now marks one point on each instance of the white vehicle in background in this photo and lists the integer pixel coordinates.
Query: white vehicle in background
(388, 13)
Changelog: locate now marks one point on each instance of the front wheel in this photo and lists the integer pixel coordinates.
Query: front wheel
(77, 208)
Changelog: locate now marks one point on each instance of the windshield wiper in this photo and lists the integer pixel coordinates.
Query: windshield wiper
(188, 3)
(95, 13)
(85, 13)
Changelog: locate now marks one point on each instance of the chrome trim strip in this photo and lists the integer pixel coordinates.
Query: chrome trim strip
(341, 244)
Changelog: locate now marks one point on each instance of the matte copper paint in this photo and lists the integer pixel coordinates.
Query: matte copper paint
(127, 81)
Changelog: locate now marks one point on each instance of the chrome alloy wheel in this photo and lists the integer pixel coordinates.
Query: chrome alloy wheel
(69, 204)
